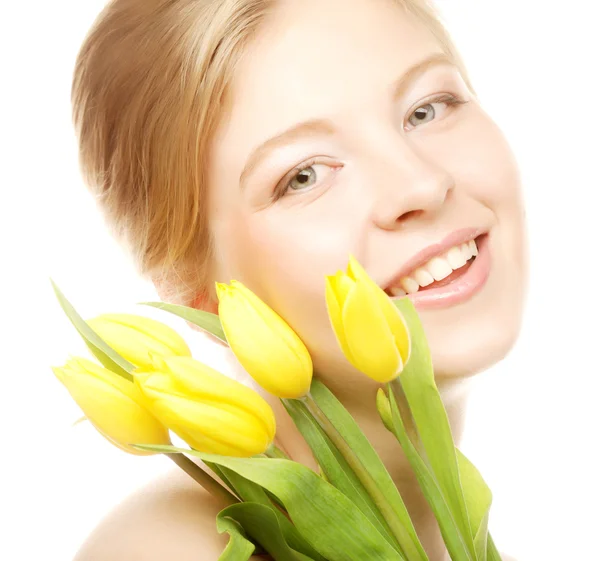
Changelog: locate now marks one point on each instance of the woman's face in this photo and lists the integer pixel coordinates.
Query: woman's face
(341, 141)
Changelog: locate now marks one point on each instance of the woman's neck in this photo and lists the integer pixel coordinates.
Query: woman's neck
(454, 394)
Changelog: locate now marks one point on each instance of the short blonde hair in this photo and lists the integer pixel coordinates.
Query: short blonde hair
(149, 87)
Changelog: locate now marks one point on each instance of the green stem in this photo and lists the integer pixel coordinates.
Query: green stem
(394, 524)
(200, 476)
(405, 413)
(273, 452)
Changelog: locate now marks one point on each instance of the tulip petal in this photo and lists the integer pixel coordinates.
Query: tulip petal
(203, 443)
(336, 290)
(395, 320)
(188, 377)
(342, 284)
(356, 271)
(153, 329)
(117, 415)
(396, 324)
(279, 325)
(134, 336)
(372, 346)
(207, 384)
(228, 426)
(124, 447)
(133, 346)
(266, 346)
(85, 368)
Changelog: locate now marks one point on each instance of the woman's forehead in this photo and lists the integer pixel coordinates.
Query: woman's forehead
(308, 47)
(317, 58)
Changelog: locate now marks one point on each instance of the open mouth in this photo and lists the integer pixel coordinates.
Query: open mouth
(441, 270)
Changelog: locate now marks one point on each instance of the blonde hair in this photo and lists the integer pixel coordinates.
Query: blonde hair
(149, 87)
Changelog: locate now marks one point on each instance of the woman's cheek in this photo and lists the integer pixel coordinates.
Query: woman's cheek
(491, 170)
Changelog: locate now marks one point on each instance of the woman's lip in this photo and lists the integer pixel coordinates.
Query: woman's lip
(462, 288)
(455, 238)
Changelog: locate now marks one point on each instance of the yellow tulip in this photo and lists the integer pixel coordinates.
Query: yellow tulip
(266, 346)
(210, 411)
(113, 405)
(133, 337)
(369, 328)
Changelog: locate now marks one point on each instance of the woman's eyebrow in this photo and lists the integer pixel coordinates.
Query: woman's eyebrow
(325, 126)
(306, 128)
(435, 59)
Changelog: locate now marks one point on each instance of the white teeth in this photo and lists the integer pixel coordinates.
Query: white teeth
(436, 269)
(397, 291)
(473, 247)
(439, 268)
(466, 250)
(423, 277)
(409, 284)
(456, 258)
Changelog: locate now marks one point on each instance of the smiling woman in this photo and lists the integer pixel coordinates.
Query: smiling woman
(266, 141)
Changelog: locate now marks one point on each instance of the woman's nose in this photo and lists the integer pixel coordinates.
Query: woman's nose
(407, 183)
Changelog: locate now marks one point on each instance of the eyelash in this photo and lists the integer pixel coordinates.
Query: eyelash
(282, 187)
(450, 100)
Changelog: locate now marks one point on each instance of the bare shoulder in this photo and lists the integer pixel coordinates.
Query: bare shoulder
(172, 518)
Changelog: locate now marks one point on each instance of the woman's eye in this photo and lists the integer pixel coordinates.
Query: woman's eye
(428, 112)
(304, 178)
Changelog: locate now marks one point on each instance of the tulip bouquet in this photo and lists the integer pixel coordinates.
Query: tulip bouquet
(145, 386)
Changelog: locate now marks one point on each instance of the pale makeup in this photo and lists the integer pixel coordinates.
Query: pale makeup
(349, 132)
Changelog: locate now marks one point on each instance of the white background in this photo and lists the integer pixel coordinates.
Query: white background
(532, 421)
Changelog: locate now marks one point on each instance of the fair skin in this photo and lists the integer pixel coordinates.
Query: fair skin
(381, 181)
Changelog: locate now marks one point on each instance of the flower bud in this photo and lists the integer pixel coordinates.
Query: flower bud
(210, 411)
(385, 410)
(369, 328)
(133, 337)
(113, 405)
(266, 346)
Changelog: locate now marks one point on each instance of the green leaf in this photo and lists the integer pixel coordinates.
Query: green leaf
(239, 547)
(431, 420)
(492, 553)
(250, 492)
(102, 351)
(328, 520)
(334, 466)
(353, 435)
(433, 494)
(207, 321)
(261, 523)
(479, 500)
(221, 474)
(480, 539)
